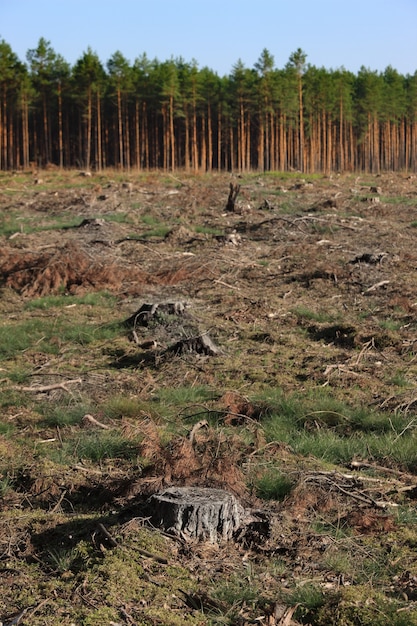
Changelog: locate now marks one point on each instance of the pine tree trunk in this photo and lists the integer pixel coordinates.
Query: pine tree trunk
(60, 136)
(89, 130)
(120, 127)
(99, 139)
(171, 132)
(209, 140)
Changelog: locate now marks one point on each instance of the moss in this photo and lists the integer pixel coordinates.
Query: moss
(361, 606)
(103, 615)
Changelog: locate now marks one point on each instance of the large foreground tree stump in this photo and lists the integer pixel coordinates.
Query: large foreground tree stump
(197, 513)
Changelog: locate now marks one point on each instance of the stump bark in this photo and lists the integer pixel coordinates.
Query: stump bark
(197, 513)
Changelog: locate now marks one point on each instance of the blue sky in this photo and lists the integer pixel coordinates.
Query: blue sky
(217, 33)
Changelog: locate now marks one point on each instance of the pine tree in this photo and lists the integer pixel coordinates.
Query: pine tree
(12, 76)
(297, 62)
(88, 78)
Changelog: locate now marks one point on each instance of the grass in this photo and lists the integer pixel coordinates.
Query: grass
(318, 425)
(94, 447)
(6, 485)
(391, 324)
(96, 299)
(49, 333)
(207, 230)
(304, 313)
(156, 227)
(59, 415)
(273, 485)
(309, 598)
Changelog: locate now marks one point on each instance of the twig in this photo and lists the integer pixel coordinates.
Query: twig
(108, 536)
(409, 425)
(380, 468)
(88, 469)
(196, 427)
(30, 610)
(220, 282)
(115, 544)
(60, 499)
(360, 496)
(377, 285)
(367, 346)
(89, 420)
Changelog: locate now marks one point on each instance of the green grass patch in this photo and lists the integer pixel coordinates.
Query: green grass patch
(98, 298)
(64, 414)
(316, 424)
(47, 334)
(19, 375)
(391, 324)
(119, 406)
(6, 428)
(190, 401)
(95, 447)
(159, 231)
(185, 395)
(273, 485)
(304, 313)
(309, 598)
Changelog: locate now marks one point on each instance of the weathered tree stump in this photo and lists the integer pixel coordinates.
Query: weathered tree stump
(155, 312)
(233, 194)
(197, 513)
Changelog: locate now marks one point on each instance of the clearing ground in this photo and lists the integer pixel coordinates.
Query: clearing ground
(152, 338)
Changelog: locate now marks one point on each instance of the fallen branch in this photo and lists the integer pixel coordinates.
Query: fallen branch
(380, 468)
(46, 388)
(382, 283)
(348, 489)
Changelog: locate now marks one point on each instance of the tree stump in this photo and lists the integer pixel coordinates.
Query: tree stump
(231, 200)
(156, 312)
(197, 513)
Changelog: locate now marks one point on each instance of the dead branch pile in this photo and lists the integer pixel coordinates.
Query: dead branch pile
(70, 268)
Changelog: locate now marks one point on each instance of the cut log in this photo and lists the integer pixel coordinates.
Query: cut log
(197, 513)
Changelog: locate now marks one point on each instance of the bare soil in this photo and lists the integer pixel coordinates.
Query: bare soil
(310, 283)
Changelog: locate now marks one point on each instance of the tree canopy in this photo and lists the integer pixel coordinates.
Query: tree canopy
(172, 114)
